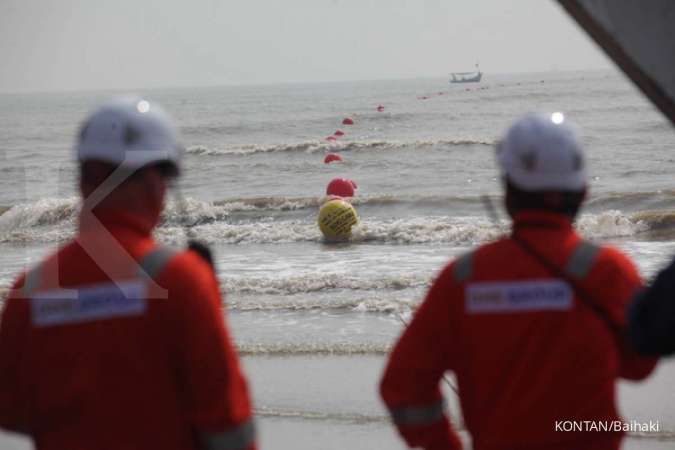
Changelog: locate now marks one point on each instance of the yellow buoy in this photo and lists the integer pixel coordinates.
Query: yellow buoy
(336, 219)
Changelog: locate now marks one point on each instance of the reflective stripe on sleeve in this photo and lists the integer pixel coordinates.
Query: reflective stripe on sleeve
(238, 438)
(582, 259)
(418, 415)
(463, 268)
(154, 262)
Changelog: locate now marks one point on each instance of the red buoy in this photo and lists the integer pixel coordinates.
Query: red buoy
(380, 108)
(331, 138)
(347, 121)
(339, 133)
(330, 157)
(340, 186)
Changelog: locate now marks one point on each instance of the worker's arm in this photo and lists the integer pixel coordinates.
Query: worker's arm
(13, 335)
(620, 280)
(215, 393)
(651, 316)
(410, 384)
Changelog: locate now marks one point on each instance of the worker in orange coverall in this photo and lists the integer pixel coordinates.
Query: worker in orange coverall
(531, 325)
(114, 341)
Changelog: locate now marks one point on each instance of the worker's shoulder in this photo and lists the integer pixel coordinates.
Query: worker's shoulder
(610, 257)
(30, 278)
(184, 267)
(461, 268)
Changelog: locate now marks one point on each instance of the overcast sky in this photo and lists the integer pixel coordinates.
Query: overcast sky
(89, 44)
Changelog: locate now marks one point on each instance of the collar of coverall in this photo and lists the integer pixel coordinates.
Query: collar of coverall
(117, 219)
(541, 219)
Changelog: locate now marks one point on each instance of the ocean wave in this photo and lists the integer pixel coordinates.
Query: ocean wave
(334, 146)
(387, 305)
(656, 220)
(201, 130)
(43, 212)
(320, 282)
(351, 418)
(228, 221)
(281, 204)
(47, 220)
(416, 230)
(269, 203)
(662, 199)
(309, 348)
(613, 224)
(189, 211)
(425, 230)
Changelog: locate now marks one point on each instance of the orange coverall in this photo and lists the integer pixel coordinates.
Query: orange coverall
(115, 359)
(526, 350)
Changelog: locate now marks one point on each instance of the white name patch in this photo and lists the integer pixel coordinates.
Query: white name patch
(518, 296)
(88, 303)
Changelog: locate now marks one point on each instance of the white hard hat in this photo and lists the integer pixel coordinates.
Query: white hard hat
(129, 132)
(541, 152)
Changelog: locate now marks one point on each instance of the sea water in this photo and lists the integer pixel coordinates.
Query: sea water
(314, 321)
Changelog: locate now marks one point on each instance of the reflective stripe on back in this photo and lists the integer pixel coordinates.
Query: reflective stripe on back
(98, 301)
(88, 303)
(239, 438)
(581, 262)
(463, 268)
(418, 415)
(507, 297)
(155, 261)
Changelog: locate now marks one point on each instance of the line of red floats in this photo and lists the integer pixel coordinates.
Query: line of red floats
(339, 133)
(343, 187)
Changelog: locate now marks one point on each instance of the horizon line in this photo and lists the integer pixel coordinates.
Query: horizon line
(30, 91)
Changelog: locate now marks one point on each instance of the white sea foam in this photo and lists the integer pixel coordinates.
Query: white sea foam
(423, 230)
(319, 415)
(611, 224)
(313, 282)
(47, 220)
(54, 220)
(309, 348)
(339, 145)
(47, 211)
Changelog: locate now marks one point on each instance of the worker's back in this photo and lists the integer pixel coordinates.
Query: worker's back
(530, 355)
(543, 356)
(532, 325)
(114, 342)
(124, 365)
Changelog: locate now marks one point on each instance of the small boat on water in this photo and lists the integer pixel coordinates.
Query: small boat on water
(466, 77)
